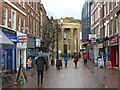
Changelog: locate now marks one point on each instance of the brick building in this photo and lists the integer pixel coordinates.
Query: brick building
(21, 25)
(107, 30)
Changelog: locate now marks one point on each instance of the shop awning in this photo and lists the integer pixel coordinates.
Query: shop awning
(5, 41)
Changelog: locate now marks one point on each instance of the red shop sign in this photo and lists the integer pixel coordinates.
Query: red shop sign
(114, 41)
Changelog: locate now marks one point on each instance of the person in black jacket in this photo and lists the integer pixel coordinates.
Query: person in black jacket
(40, 62)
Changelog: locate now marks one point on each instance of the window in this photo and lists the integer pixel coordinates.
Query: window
(111, 6)
(23, 3)
(116, 31)
(5, 18)
(112, 26)
(108, 30)
(24, 25)
(36, 6)
(104, 10)
(13, 20)
(19, 23)
(31, 29)
(108, 7)
(116, 2)
(36, 28)
(19, 1)
(41, 19)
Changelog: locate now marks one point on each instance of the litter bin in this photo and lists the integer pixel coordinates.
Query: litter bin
(59, 64)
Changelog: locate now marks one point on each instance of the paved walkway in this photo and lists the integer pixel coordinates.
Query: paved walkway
(71, 77)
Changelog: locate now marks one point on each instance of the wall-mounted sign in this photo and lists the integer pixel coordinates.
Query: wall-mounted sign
(92, 36)
(100, 45)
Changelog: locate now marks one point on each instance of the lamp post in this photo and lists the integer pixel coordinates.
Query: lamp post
(57, 49)
(57, 28)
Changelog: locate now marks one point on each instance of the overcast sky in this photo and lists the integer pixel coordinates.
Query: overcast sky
(63, 8)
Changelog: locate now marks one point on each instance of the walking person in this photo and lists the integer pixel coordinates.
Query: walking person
(85, 58)
(40, 62)
(76, 58)
(66, 58)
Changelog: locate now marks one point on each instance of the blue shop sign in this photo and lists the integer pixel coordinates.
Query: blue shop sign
(11, 36)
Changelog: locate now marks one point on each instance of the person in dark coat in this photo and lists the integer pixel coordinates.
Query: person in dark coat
(76, 58)
(40, 62)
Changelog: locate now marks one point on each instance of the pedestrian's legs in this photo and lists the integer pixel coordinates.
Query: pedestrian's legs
(84, 62)
(41, 76)
(38, 76)
(65, 64)
(75, 64)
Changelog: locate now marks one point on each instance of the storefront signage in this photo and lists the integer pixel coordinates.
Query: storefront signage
(114, 42)
(100, 45)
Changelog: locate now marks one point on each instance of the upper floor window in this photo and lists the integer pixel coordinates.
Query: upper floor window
(116, 31)
(23, 3)
(36, 6)
(19, 23)
(19, 1)
(116, 2)
(112, 27)
(107, 30)
(5, 17)
(111, 6)
(104, 10)
(13, 19)
(108, 7)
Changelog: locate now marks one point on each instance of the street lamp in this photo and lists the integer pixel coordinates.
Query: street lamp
(57, 28)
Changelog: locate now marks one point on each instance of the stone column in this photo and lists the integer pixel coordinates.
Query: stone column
(71, 40)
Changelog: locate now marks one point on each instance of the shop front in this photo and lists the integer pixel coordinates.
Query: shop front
(7, 53)
(31, 48)
(114, 52)
(13, 37)
(21, 49)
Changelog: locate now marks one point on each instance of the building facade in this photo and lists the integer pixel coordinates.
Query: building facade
(86, 21)
(21, 24)
(106, 30)
(69, 36)
(86, 24)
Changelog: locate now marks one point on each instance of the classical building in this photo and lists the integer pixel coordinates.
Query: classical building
(69, 35)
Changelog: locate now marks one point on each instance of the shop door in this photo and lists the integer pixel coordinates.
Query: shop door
(113, 57)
